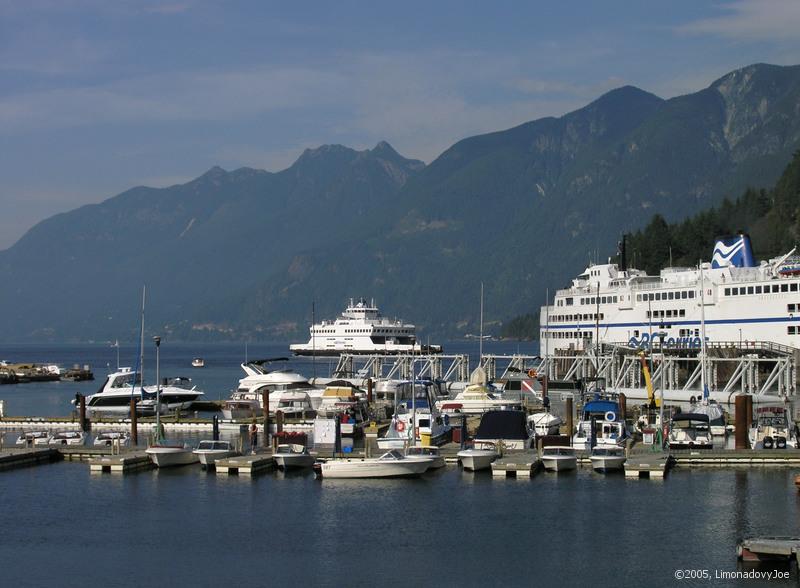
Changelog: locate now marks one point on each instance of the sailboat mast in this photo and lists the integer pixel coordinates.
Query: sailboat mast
(141, 340)
(480, 344)
(703, 334)
(313, 342)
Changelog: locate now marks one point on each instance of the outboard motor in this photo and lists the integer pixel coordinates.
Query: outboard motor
(780, 442)
(768, 442)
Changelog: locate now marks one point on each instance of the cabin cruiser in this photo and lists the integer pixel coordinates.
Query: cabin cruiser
(292, 455)
(520, 385)
(362, 329)
(690, 431)
(416, 418)
(67, 438)
(119, 387)
(773, 429)
(391, 464)
(425, 452)
(477, 397)
(165, 454)
(557, 458)
(605, 459)
(238, 407)
(35, 437)
(209, 451)
(108, 438)
(601, 423)
(479, 457)
(506, 428)
(716, 416)
(276, 383)
(544, 423)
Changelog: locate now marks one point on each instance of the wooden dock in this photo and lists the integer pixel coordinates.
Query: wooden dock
(245, 465)
(126, 463)
(758, 549)
(20, 458)
(520, 464)
(647, 465)
(739, 457)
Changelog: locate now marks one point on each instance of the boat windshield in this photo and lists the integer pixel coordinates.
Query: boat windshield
(558, 451)
(422, 451)
(392, 455)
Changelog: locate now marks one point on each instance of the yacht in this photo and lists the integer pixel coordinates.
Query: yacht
(600, 423)
(67, 438)
(559, 458)
(545, 423)
(605, 459)
(715, 414)
(391, 464)
(690, 431)
(240, 407)
(479, 457)
(165, 454)
(362, 329)
(107, 438)
(773, 429)
(198, 362)
(506, 428)
(114, 396)
(292, 455)
(209, 451)
(477, 397)
(425, 452)
(276, 382)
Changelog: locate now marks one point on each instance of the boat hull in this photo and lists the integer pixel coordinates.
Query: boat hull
(208, 457)
(607, 463)
(476, 459)
(289, 461)
(164, 457)
(560, 463)
(350, 469)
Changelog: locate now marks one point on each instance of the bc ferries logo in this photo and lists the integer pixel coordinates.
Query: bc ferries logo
(662, 340)
(733, 251)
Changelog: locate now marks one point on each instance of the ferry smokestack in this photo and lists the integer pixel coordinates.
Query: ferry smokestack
(623, 254)
(733, 251)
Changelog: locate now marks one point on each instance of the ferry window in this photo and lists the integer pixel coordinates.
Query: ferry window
(683, 312)
(647, 314)
(671, 295)
(615, 298)
(658, 295)
(775, 287)
(749, 289)
(790, 330)
(691, 293)
(727, 291)
(758, 289)
(569, 301)
(784, 287)
(697, 332)
(601, 316)
(638, 298)
(793, 286)
(790, 307)
(636, 333)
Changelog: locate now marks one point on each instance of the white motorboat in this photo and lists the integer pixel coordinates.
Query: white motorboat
(773, 429)
(601, 422)
(67, 438)
(292, 455)
(504, 428)
(107, 438)
(425, 452)
(208, 451)
(391, 464)
(164, 454)
(362, 329)
(545, 423)
(123, 385)
(477, 397)
(605, 459)
(416, 418)
(478, 458)
(198, 362)
(37, 437)
(690, 431)
(559, 458)
(715, 414)
(276, 383)
(237, 408)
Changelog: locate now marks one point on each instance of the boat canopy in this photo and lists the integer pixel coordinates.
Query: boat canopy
(503, 424)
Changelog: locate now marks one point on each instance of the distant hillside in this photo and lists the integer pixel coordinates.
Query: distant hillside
(244, 253)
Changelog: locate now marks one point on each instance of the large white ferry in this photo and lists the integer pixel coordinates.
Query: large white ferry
(362, 329)
(744, 302)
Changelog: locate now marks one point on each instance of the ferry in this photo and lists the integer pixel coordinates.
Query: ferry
(362, 329)
(743, 302)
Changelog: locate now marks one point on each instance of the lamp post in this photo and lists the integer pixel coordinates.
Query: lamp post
(740, 338)
(157, 341)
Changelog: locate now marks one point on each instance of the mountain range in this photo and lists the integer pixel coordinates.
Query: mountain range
(244, 253)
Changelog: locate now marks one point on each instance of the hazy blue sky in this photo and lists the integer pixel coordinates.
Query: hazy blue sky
(100, 96)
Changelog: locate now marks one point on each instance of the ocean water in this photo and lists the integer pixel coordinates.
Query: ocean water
(63, 526)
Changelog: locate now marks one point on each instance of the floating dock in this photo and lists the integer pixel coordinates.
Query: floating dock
(738, 457)
(758, 549)
(121, 464)
(245, 465)
(20, 458)
(520, 465)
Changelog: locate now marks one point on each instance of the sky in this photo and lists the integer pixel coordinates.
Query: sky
(99, 96)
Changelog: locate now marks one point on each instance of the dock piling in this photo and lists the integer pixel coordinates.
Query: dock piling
(568, 408)
(369, 391)
(83, 424)
(265, 404)
(623, 407)
(741, 422)
(134, 424)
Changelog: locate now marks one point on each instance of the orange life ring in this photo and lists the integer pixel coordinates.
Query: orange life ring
(532, 373)
(400, 426)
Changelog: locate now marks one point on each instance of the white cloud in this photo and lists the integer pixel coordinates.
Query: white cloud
(767, 20)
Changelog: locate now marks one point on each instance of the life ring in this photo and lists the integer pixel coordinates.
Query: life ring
(532, 373)
(400, 426)
(610, 416)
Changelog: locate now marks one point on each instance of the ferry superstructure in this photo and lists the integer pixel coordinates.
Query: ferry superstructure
(362, 329)
(743, 302)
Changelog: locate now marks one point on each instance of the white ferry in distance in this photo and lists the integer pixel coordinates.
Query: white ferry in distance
(744, 302)
(362, 329)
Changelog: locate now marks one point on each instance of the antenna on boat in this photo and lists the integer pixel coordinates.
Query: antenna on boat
(703, 335)
(546, 323)
(313, 342)
(480, 338)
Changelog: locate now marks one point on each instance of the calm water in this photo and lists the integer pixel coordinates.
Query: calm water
(65, 527)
